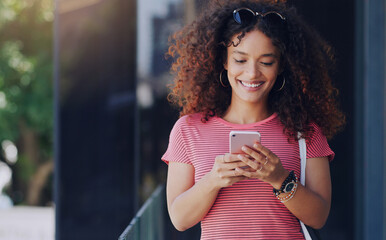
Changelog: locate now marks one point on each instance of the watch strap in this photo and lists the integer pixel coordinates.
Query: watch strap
(291, 178)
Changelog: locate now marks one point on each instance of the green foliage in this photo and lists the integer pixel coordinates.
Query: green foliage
(26, 68)
(26, 94)
(25, 169)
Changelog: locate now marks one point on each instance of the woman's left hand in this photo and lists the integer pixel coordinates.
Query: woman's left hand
(264, 165)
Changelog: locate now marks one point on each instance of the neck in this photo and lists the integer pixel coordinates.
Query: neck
(246, 113)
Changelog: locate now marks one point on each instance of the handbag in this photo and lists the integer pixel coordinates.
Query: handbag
(309, 232)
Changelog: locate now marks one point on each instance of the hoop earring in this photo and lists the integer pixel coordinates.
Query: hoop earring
(282, 86)
(225, 86)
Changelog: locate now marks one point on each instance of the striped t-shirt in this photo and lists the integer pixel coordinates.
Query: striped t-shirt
(247, 209)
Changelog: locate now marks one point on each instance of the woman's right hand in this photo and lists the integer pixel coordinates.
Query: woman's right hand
(223, 172)
(190, 201)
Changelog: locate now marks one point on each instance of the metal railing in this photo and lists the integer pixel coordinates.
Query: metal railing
(148, 222)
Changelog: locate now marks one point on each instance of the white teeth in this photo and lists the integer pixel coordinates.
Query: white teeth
(251, 84)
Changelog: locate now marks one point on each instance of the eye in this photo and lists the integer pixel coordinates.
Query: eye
(239, 61)
(267, 63)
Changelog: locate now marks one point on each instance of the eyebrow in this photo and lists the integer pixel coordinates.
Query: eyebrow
(264, 55)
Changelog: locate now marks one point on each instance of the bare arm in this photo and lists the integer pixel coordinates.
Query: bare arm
(311, 204)
(189, 202)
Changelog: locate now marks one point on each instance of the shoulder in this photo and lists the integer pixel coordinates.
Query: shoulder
(315, 132)
(317, 145)
(187, 123)
(189, 120)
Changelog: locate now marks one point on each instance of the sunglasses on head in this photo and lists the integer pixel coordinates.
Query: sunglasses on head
(245, 15)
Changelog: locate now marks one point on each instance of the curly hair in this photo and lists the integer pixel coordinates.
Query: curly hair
(199, 50)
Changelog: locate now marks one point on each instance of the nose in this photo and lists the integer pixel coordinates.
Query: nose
(253, 71)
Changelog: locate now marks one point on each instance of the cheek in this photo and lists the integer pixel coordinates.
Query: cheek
(271, 73)
(234, 70)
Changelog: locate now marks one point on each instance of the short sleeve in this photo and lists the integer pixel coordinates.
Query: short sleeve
(318, 145)
(176, 151)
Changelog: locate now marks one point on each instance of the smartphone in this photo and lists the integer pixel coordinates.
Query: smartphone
(237, 139)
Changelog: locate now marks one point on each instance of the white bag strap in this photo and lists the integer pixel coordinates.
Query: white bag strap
(303, 160)
(303, 163)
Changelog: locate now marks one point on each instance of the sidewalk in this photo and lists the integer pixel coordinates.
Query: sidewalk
(32, 223)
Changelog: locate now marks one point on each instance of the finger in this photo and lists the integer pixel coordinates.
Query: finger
(224, 158)
(237, 174)
(234, 165)
(263, 150)
(240, 164)
(219, 159)
(248, 169)
(253, 164)
(266, 161)
(228, 158)
(231, 158)
(230, 174)
(249, 174)
(256, 155)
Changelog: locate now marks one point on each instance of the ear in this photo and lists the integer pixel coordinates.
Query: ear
(226, 65)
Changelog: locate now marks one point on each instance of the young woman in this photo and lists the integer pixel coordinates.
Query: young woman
(250, 65)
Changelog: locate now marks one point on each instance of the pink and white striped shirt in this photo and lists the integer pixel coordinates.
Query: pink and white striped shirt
(247, 209)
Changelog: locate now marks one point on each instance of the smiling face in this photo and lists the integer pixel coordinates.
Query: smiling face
(252, 68)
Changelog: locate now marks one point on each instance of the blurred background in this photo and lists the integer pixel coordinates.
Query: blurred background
(84, 118)
(26, 119)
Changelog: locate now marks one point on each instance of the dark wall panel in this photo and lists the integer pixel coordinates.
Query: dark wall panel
(95, 79)
(335, 21)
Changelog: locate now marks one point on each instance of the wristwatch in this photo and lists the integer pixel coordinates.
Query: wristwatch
(287, 185)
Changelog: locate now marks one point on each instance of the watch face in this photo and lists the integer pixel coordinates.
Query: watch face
(289, 187)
